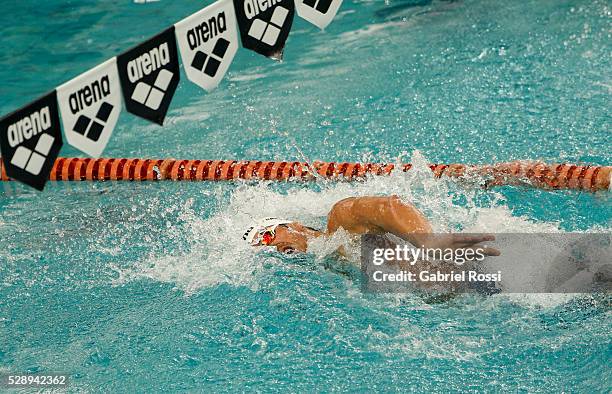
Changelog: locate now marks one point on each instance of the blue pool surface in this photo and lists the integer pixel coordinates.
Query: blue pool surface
(147, 287)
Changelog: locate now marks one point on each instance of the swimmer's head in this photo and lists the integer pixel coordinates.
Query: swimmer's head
(286, 236)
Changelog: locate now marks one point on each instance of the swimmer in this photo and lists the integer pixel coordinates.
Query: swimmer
(363, 215)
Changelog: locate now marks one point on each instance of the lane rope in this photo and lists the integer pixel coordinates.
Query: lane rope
(537, 174)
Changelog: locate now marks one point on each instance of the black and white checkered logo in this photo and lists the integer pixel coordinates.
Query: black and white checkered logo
(151, 96)
(30, 160)
(30, 140)
(209, 63)
(92, 128)
(269, 32)
(265, 25)
(208, 41)
(321, 6)
(318, 12)
(149, 75)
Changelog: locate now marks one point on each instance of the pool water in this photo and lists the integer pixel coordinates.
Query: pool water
(128, 286)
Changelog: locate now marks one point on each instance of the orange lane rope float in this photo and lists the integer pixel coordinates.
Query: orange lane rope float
(538, 174)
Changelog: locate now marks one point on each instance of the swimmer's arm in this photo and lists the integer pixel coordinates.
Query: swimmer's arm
(400, 219)
(380, 215)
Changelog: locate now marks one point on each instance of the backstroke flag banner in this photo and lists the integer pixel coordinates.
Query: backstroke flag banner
(208, 41)
(318, 12)
(30, 140)
(149, 75)
(90, 105)
(146, 78)
(264, 25)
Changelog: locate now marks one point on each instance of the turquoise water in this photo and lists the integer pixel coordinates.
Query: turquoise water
(127, 286)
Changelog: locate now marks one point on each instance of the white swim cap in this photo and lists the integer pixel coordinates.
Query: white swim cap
(253, 233)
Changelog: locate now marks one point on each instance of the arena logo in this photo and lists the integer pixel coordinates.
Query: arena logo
(29, 127)
(208, 41)
(265, 24)
(30, 140)
(90, 106)
(318, 12)
(149, 75)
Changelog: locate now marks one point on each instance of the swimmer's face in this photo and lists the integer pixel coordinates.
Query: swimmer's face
(291, 238)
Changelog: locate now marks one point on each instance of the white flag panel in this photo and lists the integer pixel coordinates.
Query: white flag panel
(318, 12)
(90, 105)
(208, 41)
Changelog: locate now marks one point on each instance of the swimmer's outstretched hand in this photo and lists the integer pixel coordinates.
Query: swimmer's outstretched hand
(462, 241)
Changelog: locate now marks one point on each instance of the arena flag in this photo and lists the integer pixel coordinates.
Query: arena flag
(149, 75)
(264, 25)
(30, 140)
(318, 12)
(90, 105)
(208, 41)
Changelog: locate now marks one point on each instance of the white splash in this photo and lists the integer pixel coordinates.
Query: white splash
(219, 255)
